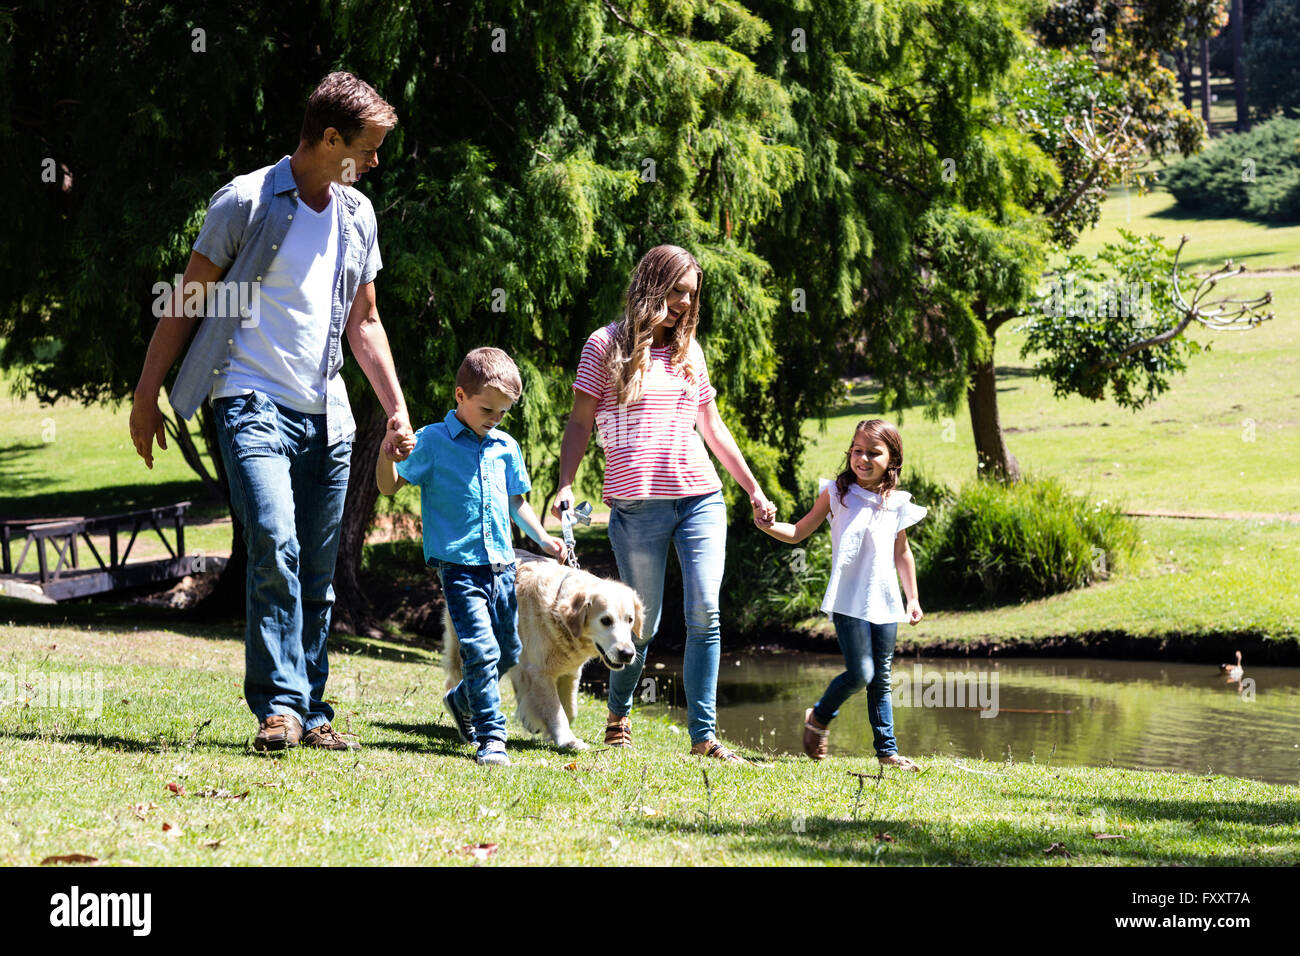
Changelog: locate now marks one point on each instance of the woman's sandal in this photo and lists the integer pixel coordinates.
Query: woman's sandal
(814, 737)
(899, 761)
(718, 752)
(618, 733)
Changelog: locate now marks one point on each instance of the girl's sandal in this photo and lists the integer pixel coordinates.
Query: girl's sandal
(718, 752)
(899, 761)
(618, 733)
(814, 737)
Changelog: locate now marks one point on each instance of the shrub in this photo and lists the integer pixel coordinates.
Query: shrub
(1254, 174)
(997, 542)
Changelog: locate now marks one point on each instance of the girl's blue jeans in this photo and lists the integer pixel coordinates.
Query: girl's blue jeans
(640, 531)
(868, 656)
(287, 489)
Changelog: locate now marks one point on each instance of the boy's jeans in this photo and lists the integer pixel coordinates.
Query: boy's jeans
(287, 488)
(868, 657)
(481, 602)
(639, 532)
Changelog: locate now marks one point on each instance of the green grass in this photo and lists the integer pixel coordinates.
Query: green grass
(66, 459)
(1257, 245)
(73, 784)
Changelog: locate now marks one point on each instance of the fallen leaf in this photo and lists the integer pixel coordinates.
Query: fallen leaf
(171, 829)
(177, 788)
(141, 809)
(571, 766)
(884, 838)
(479, 851)
(1057, 849)
(222, 794)
(267, 783)
(214, 844)
(1109, 836)
(69, 858)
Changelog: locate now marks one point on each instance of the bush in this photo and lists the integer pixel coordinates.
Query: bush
(997, 542)
(1254, 175)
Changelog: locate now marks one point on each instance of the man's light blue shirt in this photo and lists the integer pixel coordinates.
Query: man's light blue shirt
(245, 225)
(465, 487)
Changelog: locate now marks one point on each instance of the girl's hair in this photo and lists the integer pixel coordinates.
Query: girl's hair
(873, 430)
(628, 358)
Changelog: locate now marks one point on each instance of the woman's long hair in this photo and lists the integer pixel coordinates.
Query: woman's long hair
(873, 430)
(646, 305)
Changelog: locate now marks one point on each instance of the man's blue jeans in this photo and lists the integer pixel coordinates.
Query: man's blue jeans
(481, 601)
(868, 658)
(287, 488)
(639, 532)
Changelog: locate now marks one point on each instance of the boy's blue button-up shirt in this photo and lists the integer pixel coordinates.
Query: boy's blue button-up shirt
(465, 487)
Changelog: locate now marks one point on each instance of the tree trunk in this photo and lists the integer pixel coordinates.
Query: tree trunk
(995, 459)
(353, 611)
(1239, 64)
(1205, 81)
(1183, 63)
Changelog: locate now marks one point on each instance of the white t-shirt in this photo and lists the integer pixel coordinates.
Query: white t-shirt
(284, 354)
(864, 581)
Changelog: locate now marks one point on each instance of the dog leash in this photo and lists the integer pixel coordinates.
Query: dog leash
(580, 514)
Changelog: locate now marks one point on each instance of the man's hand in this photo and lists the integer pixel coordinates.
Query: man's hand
(147, 424)
(399, 440)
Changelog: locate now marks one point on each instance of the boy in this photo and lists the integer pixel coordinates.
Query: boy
(470, 474)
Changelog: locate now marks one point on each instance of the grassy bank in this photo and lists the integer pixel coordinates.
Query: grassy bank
(164, 777)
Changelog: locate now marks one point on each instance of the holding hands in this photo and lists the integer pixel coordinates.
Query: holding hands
(399, 441)
(764, 510)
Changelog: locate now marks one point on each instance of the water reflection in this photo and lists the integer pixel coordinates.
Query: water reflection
(1136, 714)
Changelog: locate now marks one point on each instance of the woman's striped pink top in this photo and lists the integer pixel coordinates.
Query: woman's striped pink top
(652, 449)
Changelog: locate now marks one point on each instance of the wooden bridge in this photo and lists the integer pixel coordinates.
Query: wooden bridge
(59, 549)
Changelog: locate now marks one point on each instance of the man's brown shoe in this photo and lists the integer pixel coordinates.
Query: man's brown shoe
(277, 732)
(328, 738)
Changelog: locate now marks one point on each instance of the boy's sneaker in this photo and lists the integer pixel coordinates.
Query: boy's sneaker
(493, 753)
(459, 718)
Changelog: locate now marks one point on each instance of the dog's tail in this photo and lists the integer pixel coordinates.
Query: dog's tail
(450, 652)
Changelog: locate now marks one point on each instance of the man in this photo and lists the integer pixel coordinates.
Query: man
(300, 245)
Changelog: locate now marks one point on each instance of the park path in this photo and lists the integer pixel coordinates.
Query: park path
(1292, 517)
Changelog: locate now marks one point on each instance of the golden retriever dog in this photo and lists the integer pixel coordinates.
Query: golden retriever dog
(566, 617)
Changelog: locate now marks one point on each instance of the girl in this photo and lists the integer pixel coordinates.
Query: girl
(869, 547)
(642, 382)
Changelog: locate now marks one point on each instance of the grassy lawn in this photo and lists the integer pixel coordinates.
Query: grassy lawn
(164, 777)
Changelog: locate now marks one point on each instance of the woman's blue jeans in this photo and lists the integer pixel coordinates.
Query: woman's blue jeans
(639, 531)
(868, 657)
(287, 489)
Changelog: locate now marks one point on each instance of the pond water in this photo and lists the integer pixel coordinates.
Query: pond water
(1141, 715)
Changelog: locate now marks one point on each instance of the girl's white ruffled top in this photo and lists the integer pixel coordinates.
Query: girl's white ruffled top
(864, 581)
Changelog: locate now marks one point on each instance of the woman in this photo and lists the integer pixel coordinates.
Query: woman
(642, 382)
